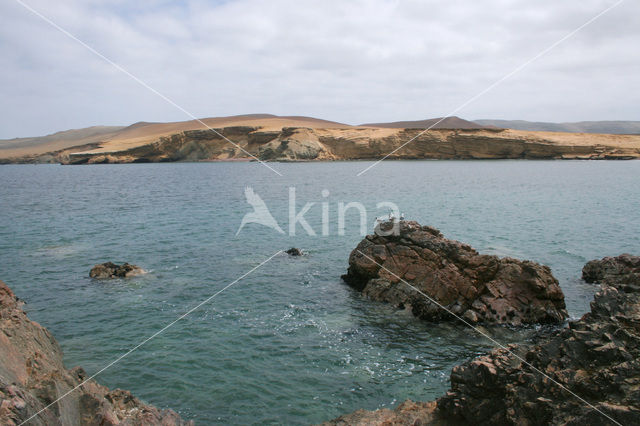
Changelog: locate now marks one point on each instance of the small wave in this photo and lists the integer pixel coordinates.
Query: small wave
(59, 251)
(501, 251)
(566, 253)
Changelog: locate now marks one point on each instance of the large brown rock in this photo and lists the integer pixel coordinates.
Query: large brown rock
(593, 369)
(476, 287)
(32, 375)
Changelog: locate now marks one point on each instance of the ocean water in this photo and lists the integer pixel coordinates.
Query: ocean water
(289, 343)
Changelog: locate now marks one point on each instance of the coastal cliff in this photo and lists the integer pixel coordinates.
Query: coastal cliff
(32, 376)
(310, 144)
(348, 143)
(591, 369)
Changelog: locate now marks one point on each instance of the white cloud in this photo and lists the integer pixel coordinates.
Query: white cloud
(357, 61)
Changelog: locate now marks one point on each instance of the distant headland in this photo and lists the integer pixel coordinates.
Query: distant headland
(295, 138)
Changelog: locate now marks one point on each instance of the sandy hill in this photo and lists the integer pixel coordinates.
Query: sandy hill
(295, 138)
(612, 127)
(114, 138)
(361, 143)
(56, 141)
(448, 123)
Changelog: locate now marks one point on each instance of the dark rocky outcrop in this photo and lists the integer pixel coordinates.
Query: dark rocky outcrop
(109, 270)
(293, 251)
(620, 270)
(479, 288)
(596, 358)
(32, 375)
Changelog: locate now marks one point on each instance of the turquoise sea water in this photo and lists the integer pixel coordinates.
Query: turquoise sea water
(290, 343)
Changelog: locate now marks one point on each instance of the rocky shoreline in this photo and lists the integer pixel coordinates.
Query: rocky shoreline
(585, 373)
(32, 376)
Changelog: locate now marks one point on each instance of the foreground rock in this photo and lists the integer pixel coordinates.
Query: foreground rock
(32, 376)
(479, 288)
(596, 358)
(110, 270)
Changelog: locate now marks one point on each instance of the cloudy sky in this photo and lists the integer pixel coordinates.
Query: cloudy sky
(349, 61)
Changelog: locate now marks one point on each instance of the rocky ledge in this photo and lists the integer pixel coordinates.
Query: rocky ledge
(109, 270)
(476, 287)
(593, 369)
(33, 376)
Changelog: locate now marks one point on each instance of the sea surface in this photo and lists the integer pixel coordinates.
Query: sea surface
(290, 342)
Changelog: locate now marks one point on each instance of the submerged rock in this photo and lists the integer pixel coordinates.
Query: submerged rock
(294, 252)
(596, 358)
(32, 375)
(478, 288)
(110, 270)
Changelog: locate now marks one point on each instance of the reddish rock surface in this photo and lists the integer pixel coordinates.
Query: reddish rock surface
(479, 288)
(596, 358)
(32, 375)
(407, 413)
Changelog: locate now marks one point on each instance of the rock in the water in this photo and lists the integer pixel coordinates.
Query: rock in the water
(617, 271)
(110, 270)
(294, 252)
(32, 375)
(478, 288)
(596, 358)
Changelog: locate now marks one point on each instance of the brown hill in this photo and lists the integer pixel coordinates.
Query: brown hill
(56, 141)
(437, 123)
(118, 138)
(611, 127)
(357, 143)
(293, 138)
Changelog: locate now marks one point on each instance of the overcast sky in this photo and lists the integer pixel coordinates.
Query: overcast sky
(348, 61)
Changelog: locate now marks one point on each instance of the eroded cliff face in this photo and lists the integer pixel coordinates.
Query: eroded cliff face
(310, 144)
(596, 358)
(32, 376)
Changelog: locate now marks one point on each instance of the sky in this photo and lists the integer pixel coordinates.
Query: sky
(349, 61)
